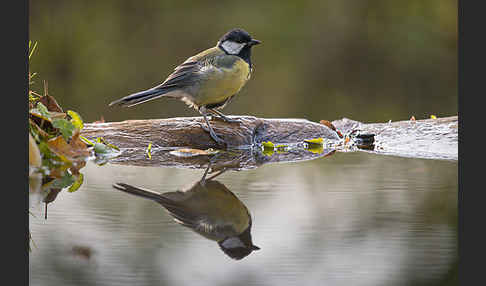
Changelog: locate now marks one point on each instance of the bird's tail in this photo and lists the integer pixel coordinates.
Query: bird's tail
(173, 207)
(140, 97)
(144, 193)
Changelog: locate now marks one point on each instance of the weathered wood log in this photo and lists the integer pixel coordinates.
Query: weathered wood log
(427, 138)
(187, 132)
(431, 138)
(134, 136)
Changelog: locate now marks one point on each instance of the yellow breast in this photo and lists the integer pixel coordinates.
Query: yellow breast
(223, 82)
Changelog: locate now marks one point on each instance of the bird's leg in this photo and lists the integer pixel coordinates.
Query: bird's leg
(224, 117)
(217, 174)
(215, 137)
(203, 179)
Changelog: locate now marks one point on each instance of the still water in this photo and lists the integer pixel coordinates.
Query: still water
(347, 219)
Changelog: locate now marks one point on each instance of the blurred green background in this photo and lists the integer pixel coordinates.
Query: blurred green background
(367, 60)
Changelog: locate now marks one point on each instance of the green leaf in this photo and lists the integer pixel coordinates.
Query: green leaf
(75, 186)
(41, 109)
(63, 182)
(65, 127)
(101, 148)
(104, 153)
(103, 141)
(76, 119)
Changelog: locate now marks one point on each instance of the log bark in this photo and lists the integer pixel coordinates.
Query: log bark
(430, 138)
(187, 132)
(427, 138)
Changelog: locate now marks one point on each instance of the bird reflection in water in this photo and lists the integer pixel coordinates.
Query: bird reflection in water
(210, 209)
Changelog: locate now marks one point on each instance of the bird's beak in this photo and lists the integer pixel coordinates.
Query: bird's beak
(254, 42)
(254, 247)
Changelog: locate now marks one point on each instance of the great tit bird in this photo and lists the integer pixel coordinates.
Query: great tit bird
(208, 80)
(210, 209)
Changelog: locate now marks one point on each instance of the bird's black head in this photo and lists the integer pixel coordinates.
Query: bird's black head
(236, 35)
(238, 247)
(238, 42)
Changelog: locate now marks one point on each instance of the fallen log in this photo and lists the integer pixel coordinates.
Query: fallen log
(431, 139)
(187, 132)
(427, 138)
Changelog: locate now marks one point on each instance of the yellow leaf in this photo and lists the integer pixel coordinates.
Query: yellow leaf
(316, 149)
(148, 151)
(268, 144)
(75, 186)
(268, 151)
(86, 140)
(317, 141)
(75, 119)
(282, 148)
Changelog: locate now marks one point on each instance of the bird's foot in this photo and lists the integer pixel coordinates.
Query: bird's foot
(213, 135)
(225, 119)
(229, 120)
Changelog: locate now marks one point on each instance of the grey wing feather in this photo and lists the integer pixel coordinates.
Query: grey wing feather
(182, 216)
(225, 230)
(182, 76)
(198, 222)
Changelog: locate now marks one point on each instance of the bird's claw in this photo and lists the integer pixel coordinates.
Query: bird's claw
(204, 127)
(213, 135)
(225, 119)
(228, 120)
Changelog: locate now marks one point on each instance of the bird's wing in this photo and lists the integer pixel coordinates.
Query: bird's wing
(181, 214)
(212, 229)
(198, 221)
(182, 75)
(190, 71)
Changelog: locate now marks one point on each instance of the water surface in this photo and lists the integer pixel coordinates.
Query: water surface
(347, 219)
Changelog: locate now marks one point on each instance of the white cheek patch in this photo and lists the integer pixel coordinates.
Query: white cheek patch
(233, 242)
(231, 47)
